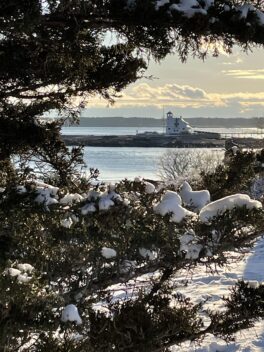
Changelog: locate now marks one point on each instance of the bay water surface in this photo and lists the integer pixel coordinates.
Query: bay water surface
(115, 163)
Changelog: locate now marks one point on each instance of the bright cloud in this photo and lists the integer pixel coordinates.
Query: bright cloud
(231, 63)
(184, 96)
(245, 74)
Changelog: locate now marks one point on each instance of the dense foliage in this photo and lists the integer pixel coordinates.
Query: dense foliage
(63, 241)
(56, 54)
(60, 248)
(235, 174)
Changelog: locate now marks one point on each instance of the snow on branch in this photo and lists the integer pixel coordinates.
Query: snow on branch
(242, 23)
(190, 8)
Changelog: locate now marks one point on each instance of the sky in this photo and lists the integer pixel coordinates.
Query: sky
(226, 86)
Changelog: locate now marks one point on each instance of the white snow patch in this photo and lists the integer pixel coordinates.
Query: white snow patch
(52, 189)
(161, 3)
(147, 254)
(212, 287)
(21, 189)
(21, 273)
(246, 8)
(25, 267)
(138, 179)
(189, 8)
(127, 266)
(88, 208)
(227, 203)
(187, 238)
(235, 149)
(46, 196)
(24, 278)
(71, 198)
(171, 197)
(189, 246)
(113, 195)
(194, 199)
(260, 15)
(181, 213)
(105, 203)
(166, 206)
(93, 195)
(67, 223)
(108, 253)
(257, 188)
(170, 203)
(107, 200)
(70, 313)
(13, 272)
(192, 250)
(149, 187)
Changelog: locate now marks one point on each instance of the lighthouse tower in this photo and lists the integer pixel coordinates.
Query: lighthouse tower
(176, 125)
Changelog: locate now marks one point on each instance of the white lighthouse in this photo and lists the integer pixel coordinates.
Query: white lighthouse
(176, 125)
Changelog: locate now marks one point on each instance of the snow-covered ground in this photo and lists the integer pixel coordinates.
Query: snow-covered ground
(203, 286)
(200, 285)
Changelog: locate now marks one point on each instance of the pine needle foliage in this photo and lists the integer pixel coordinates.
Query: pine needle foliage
(55, 55)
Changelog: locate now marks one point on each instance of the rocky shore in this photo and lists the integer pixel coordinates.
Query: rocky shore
(153, 141)
(158, 141)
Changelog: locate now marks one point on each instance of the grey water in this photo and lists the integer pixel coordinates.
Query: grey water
(106, 131)
(117, 163)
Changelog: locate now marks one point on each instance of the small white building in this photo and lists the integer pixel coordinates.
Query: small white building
(176, 125)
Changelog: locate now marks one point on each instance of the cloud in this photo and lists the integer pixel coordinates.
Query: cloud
(245, 74)
(144, 94)
(232, 63)
(167, 92)
(181, 97)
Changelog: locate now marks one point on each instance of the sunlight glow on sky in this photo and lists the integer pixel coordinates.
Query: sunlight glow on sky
(227, 86)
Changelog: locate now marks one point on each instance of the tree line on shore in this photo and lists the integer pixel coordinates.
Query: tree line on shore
(206, 122)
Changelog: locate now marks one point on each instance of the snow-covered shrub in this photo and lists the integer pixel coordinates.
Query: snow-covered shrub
(62, 261)
(219, 206)
(196, 200)
(70, 313)
(53, 59)
(170, 203)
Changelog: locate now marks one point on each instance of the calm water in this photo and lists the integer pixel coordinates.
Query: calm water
(119, 163)
(102, 131)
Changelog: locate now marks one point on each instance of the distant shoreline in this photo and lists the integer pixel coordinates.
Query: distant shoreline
(212, 122)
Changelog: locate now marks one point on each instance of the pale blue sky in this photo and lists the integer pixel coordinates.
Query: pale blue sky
(227, 86)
